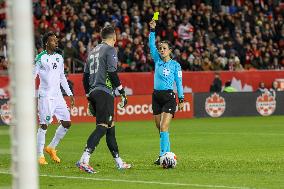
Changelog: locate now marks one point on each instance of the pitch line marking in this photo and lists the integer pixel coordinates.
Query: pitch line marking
(138, 181)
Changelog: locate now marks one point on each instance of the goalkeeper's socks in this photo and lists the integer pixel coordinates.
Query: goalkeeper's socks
(85, 158)
(164, 141)
(118, 161)
(40, 141)
(92, 143)
(59, 134)
(111, 142)
(95, 137)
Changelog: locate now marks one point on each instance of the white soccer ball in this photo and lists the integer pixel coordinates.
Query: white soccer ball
(168, 160)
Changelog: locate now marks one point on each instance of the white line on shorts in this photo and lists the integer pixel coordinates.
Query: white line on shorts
(139, 181)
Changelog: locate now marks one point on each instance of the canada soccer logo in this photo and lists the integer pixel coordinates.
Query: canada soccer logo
(265, 104)
(5, 113)
(215, 105)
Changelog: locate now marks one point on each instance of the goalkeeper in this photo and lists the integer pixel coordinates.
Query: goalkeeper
(100, 79)
(163, 99)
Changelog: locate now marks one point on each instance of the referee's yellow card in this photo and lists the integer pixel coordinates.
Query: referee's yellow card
(156, 16)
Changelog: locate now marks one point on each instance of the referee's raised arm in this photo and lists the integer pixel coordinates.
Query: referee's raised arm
(152, 42)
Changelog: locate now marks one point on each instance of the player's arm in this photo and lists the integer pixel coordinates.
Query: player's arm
(35, 73)
(65, 86)
(86, 78)
(178, 80)
(152, 42)
(35, 70)
(37, 65)
(113, 76)
(86, 84)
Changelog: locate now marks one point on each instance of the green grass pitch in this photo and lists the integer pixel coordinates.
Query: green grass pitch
(229, 153)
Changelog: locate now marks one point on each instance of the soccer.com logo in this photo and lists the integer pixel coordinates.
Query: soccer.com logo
(144, 109)
(130, 109)
(135, 109)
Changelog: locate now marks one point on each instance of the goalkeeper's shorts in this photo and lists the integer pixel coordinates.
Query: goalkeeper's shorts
(103, 106)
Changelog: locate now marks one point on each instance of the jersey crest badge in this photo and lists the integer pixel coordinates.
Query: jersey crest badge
(114, 57)
(166, 72)
(47, 118)
(215, 105)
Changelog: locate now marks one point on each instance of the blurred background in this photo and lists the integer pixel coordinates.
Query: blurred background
(206, 34)
(221, 45)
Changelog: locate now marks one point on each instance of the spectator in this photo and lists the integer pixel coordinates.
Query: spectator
(3, 64)
(83, 35)
(185, 30)
(206, 64)
(217, 66)
(238, 66)
(222, 58)
(69, 54)
(4, 92)
(228, 88)
(196, 65)
(70, 83)
(262, 88)
(274, 88)
(216, 86)
(253, 31)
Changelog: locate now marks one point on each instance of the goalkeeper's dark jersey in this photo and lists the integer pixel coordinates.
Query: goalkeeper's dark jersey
(101, 60)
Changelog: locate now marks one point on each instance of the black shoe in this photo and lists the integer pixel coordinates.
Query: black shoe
(157, 162)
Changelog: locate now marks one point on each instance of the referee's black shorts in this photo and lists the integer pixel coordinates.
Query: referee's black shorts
(103, 105)
(164, 101)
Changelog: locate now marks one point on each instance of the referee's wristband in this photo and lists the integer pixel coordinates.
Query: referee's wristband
(181, 100)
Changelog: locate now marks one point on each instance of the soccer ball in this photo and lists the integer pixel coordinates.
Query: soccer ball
(168, 160)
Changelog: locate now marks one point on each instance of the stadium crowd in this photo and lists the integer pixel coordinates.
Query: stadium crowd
(205, 34)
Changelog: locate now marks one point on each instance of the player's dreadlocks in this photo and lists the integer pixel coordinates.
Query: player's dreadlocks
(45, 38)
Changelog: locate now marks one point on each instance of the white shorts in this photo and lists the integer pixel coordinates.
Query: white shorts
(49, 107)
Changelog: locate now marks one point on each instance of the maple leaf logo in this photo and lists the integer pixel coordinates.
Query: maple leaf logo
(215, 105)
(265, 104)
(5, 113)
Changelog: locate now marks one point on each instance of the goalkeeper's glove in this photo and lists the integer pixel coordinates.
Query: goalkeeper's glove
(123, 101)
(90, 110)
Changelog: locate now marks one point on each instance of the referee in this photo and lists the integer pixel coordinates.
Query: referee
(100, 79)
(167, 71)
